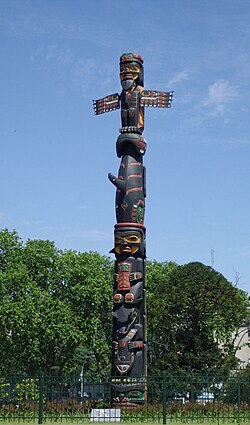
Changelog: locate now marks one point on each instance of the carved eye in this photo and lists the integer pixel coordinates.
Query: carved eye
(134, 239)
(118, 239)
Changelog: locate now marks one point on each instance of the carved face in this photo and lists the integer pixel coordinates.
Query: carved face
(129, 71)
(127, 242)
(129, 74)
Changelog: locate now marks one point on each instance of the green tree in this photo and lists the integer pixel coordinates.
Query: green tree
(52, 303)
(55, 312)
(14, 280)
(237, 389)
(86, 282)
(192, 313)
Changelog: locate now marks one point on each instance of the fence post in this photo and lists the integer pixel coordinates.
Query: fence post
(164, 398)
(239, 400)
(40, 411)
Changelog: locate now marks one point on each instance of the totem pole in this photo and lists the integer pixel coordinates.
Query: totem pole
(129, 313)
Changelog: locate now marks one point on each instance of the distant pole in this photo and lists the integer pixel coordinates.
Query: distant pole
(129, 353)
(212, 258)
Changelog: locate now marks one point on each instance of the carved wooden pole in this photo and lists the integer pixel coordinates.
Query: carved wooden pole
(129, 353)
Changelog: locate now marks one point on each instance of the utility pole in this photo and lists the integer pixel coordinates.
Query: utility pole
(212, 258)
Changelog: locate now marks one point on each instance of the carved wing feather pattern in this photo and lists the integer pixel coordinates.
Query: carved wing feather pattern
(106, 104)
(157, 99)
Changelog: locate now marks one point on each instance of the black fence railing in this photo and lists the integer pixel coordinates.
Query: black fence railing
(167, 398)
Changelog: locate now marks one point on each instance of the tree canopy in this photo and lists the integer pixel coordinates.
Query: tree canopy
(192, 313)
(52, 304)
(55, 312)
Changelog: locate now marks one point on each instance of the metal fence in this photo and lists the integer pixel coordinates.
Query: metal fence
(169, 398)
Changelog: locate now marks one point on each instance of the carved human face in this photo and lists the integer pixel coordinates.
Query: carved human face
(127, 242)
(129, 72)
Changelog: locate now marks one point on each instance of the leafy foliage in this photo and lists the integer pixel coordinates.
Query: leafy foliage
(52, 303)
(55, 312)
(192, 312)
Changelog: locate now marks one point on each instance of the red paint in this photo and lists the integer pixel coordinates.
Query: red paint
(125, 224)
(134, 163)
(135, 189)
(138, 176)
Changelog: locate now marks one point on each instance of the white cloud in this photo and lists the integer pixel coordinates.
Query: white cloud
(54, 57)
(83, 71)
(220, 94)
(95, 235)
(179, 77)
(220, 99)
(237, 143)
(87, 234)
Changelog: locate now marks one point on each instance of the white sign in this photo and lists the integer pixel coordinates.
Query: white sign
(105, 415)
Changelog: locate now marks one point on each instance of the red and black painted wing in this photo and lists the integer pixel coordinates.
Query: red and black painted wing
(106, 104)
(157, 99)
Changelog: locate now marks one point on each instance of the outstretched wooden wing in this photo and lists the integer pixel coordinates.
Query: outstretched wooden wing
(106, 104)
(159, 99)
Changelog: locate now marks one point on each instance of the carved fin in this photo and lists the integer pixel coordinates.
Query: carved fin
(120, 184)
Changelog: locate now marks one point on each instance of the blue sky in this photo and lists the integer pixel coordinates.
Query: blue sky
(58, 55)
